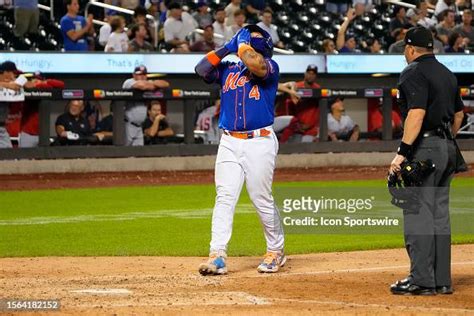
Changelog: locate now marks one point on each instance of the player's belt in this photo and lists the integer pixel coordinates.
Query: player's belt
(133, 123)
(249, 135)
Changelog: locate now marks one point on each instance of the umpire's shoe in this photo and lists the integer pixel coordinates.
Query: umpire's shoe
(215, 265)
(444, 290)
(406, 287)
(272, 262)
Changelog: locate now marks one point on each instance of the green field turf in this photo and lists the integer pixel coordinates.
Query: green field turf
(154, 220)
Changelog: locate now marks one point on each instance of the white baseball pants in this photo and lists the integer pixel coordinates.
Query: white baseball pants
(252, 161)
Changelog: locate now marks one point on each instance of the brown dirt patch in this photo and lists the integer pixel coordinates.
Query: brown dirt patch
(336, 283)
(116, 179)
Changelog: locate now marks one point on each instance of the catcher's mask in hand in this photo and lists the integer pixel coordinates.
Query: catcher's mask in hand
(405, 185)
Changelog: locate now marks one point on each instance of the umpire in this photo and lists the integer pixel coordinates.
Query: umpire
(432, 110)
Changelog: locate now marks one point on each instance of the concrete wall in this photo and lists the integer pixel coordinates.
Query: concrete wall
(192, 163)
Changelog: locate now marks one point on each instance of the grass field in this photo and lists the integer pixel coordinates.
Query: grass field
(158, 220)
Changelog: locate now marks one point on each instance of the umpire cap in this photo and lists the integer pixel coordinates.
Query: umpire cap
(420, 37)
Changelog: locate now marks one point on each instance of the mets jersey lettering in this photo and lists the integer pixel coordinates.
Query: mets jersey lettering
(247, 102)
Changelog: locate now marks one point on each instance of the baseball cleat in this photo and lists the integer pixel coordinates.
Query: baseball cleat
(272, 262)
(215, 265)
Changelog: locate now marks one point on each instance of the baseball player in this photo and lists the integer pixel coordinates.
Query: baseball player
(248, 147)
(11, 90)
(207, 122)
(136, 111)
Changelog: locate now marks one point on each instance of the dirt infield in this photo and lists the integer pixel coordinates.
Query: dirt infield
(339, 283)
(86, 180)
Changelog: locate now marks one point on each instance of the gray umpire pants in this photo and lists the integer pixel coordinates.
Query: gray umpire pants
(428, 230)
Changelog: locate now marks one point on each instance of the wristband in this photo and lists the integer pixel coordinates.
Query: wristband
(243, 48)
(404, 149)
(213, 58)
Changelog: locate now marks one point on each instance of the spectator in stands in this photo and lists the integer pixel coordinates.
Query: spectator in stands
(455, 43)
(71, 127)
(443, 5)
(266, 24)
(207, 43)
(177, 27)
(110, 12)
(446, 26)
(375, 120)
(154, 10)
(202, 15)
(75, 28)
(221, 28)
(341, 126)
(399, 46)
(422, 15)
(412, 16)
(346, 43)
(239, 21)
(399, 21)
(136, 112)
(253, 9)
(337, 6)
(306, 111)
(138, 44)
(230, 9)
(118, 40)
(438, 47)
(465, 29)
(26, 17)
(139, 17)
(156, 127)
(359, 8)
(329, 47)
(373, 46)
(105, 31)
(130, 4)
(163, 11)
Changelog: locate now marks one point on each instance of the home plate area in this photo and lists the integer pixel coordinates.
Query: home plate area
(339, 283)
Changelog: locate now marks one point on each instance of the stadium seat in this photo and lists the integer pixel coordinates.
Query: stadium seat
(298, 45)
(285, 34)
(3, 44)
(20, 44)
(277, 6)
(297, 5)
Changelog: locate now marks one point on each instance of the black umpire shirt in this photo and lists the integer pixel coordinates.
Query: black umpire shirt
(427, 84)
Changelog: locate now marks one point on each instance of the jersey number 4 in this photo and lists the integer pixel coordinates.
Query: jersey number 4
(254, 93)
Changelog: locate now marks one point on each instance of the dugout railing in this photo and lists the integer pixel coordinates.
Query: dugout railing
(190, 98)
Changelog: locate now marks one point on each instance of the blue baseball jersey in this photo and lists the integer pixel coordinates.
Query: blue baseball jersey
(247, 101)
